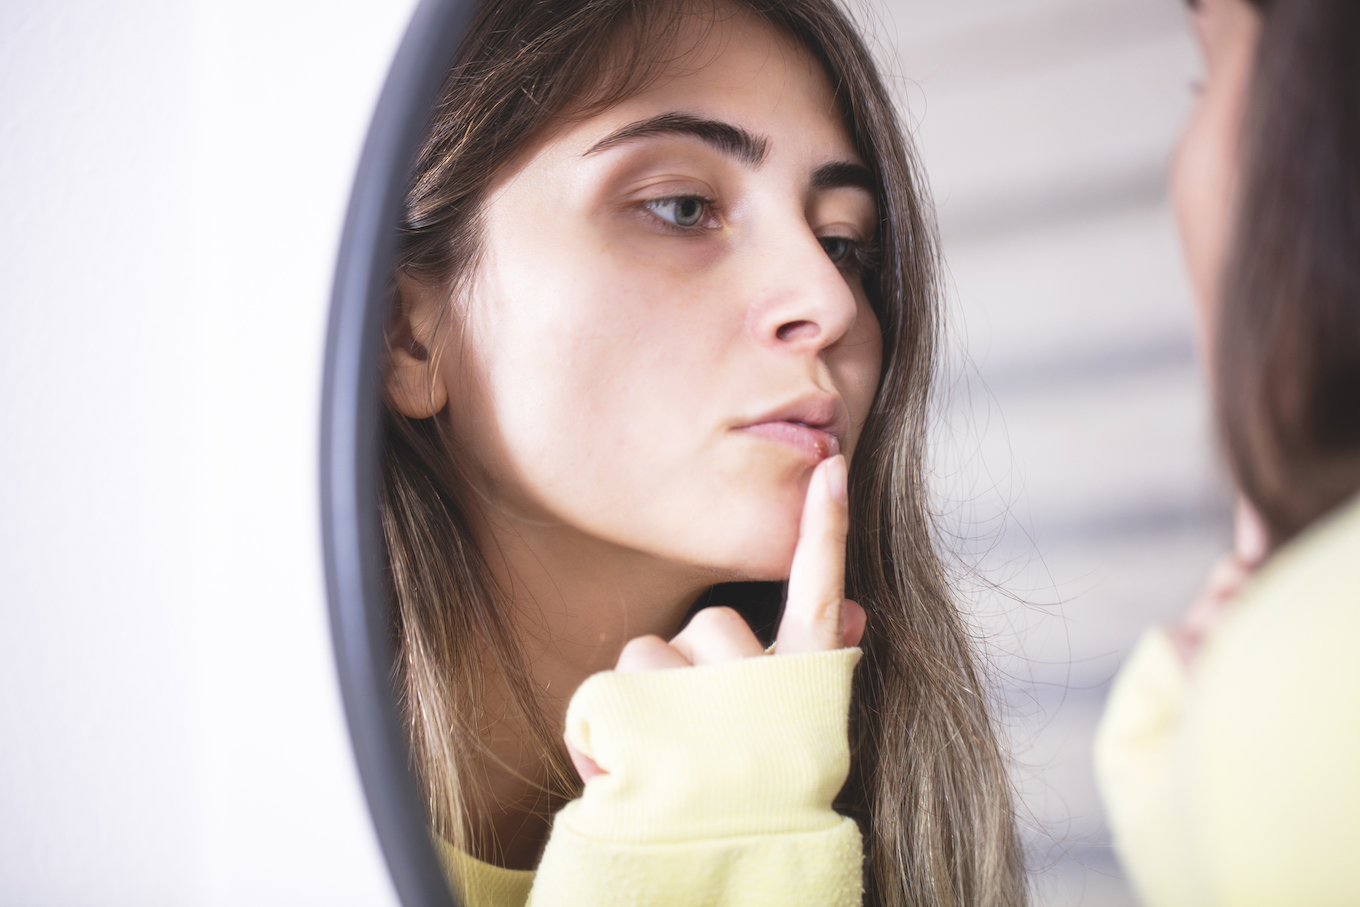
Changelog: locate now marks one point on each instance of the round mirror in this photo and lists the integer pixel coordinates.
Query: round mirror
(350, 448)
(1031, 240)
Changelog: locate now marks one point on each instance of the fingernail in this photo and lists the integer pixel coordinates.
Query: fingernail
(836, 478)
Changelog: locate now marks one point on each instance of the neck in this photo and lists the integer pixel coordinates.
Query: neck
(574, 601)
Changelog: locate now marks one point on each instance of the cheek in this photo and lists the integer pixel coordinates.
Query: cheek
(1196, 179)
(857, 367)
(592, 375)
(1206, 170)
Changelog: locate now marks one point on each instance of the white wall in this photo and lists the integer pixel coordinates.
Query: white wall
(173, 178)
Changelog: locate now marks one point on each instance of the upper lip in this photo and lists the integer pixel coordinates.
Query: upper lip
(824, 412)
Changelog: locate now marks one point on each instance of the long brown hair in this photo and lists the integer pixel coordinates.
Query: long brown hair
(1287, 358)
(928, 782)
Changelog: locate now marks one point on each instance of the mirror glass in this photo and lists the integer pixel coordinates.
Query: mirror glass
(649, 278)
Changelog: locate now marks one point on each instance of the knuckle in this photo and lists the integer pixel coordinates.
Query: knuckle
(648, 653)
(829, 608)
(718, 620)
(642, 647)
(818, 611)
(818, 622)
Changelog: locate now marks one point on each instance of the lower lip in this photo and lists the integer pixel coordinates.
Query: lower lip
(813, 442)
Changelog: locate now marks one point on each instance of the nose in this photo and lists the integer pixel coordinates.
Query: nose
(802, 300)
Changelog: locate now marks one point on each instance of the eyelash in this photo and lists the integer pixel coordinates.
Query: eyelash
(859, 258)
(710, 209)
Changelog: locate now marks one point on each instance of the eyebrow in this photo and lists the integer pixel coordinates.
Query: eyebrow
(738, 143)
(732, 141)
(841, 174)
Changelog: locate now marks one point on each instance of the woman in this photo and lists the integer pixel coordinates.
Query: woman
(665, 315)
(1227, 754)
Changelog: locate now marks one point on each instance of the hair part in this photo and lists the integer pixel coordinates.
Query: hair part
(928, 785)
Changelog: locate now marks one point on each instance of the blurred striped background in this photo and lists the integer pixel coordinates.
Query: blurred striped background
(1081, 491)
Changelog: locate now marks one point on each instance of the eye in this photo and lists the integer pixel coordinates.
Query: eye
(682, 211)
(837, 247)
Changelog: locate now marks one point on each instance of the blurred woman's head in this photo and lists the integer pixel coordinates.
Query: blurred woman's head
(1267, 190)
(636, 234)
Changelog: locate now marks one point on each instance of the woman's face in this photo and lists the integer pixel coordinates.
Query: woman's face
(1205, 171)
(667, 329)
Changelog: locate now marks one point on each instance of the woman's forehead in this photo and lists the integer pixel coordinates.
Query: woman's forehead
(738, 57)
(720, 74)
(741, 86)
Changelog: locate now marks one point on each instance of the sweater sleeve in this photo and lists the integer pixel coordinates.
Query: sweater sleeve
(718, 788)
(1135, 752)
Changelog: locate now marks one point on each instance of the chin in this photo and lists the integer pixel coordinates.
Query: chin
(756, 544)
(755, 569)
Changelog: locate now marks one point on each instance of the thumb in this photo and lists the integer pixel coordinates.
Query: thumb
(586, 767)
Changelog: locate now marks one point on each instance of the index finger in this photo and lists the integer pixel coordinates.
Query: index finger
(812, 620)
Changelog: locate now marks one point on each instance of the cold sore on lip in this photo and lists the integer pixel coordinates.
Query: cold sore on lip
(815, 442)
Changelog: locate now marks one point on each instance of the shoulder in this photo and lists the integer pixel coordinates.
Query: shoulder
(480, 884)
(1274, 723)
(1302, 610)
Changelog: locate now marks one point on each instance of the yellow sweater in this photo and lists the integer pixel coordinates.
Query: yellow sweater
(1241, 785)
(718, 791)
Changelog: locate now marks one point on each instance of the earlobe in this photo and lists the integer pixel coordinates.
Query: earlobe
(414, 384)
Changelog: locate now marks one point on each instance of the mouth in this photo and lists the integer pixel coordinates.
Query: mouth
(812, 426)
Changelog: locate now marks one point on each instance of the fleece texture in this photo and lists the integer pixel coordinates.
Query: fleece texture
(1240, 785)
(717, 790)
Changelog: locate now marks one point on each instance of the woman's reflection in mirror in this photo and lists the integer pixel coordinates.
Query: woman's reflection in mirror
(663, 337)
(1227, 752)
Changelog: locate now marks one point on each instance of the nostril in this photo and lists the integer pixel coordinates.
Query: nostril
(797, 330)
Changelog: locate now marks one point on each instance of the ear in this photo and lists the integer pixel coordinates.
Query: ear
(415, 385)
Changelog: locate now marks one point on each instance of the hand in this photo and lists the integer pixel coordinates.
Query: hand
(817, 615)
(1226, 579)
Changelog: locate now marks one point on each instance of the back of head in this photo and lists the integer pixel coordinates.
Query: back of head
(1288, 342)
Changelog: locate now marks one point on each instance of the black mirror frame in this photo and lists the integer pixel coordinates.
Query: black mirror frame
(351, 448)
